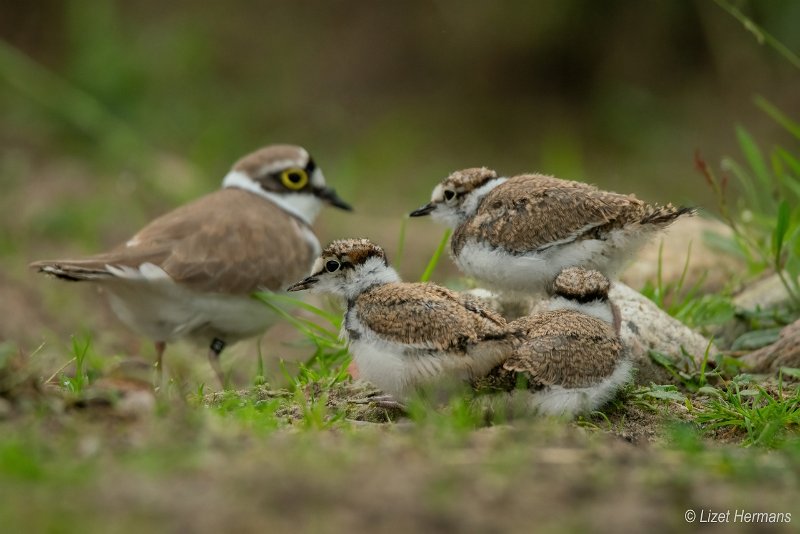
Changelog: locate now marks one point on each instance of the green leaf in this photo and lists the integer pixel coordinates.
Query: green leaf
(788, 158)
(754, 158)
(746, 182)
(790, 182)
(666, 395)
(708, 390)
(401, 244)
(706, 310)
(781, 227)
(723, 243)
(794, 372)
(436, 256)
(756, 339)
(661, 359)
(777, 115)
(333, 318)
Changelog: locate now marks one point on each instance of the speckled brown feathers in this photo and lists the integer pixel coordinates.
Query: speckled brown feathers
(467, 180)
(354, 251)
(429, 316)
(533, 212)
(207, 246)
(558, 348)
(581, 284)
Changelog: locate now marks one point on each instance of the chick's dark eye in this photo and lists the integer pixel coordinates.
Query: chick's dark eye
(449, 194)
(331, 266)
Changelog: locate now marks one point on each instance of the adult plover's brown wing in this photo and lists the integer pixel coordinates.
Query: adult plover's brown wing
(426, 316)
(230, 241)
(564, 348)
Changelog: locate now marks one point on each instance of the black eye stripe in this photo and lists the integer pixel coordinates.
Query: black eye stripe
(310, 166)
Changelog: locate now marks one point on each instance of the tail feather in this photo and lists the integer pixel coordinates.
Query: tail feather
(73, 271)
(666, 215)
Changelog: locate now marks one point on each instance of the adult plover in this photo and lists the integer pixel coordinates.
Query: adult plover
(567, 360)
(517, 234)
(405, 335)
(191, 272)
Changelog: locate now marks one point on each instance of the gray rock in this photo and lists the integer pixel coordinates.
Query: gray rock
(647, 327)
(766, 293)
(785, 352)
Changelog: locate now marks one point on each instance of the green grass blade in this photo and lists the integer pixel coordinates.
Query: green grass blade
(310, 329)
(770, 109)
(659, 276)
(434, 261)
(789, 180)
(685, 271)
(761, 36)
(76, 107)
(745, 181)
(401, 244)
(758, 164)
(778, 236)
(333, 318)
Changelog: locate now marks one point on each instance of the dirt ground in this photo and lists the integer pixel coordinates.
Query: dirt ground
(255, 460)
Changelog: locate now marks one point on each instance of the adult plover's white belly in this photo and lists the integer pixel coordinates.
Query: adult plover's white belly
(166, 311)
(532, 272)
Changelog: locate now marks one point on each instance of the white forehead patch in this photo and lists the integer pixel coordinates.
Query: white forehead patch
(317, 178)
(438, 193)
(317, 267)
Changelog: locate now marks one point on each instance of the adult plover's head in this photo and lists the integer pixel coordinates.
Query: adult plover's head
(457, 197)
(348, 267)
(288, 176)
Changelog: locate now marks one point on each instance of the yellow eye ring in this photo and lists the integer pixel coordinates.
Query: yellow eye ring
(294, 179)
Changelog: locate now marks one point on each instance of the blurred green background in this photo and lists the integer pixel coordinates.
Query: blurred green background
(112, 112)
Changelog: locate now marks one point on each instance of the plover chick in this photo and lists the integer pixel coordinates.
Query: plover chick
(405, 336)
(191, 273)
(567, 360)
(517, 234)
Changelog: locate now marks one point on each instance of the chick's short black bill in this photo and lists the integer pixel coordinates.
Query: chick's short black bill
(424, 210)
(304, 284)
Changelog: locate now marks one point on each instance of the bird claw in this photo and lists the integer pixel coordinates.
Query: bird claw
(387, 402)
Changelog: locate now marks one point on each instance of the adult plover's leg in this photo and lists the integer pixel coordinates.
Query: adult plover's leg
(160, 347)
(213, 358)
